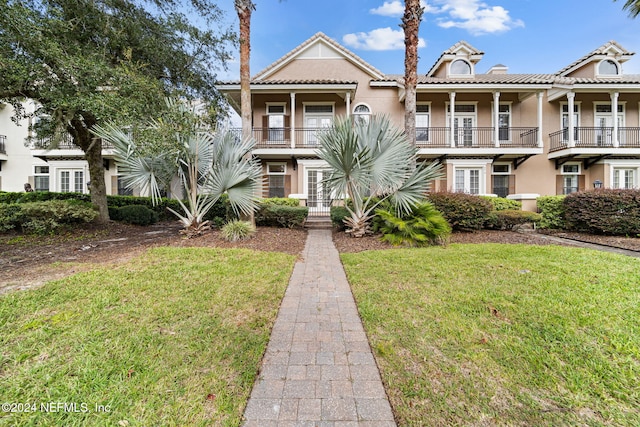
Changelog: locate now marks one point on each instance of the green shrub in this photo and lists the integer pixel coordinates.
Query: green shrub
(503, 204)
(41, 196)
(551, 210)
(462, 211)
(137, 215)
(338, 214)
(10, 216)
(237, 230)
(281, 216)
(605, 211)
(424, 225)
(220, 213)
(48, 217)
(508, 219)
(281, 201)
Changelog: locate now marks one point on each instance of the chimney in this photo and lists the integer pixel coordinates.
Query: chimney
(498, 69)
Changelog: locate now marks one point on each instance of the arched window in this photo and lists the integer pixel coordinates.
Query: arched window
(460, 67)
(608, 68)
(361, 113)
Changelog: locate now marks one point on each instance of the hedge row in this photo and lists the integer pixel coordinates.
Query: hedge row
(45, 217)
(604, 211)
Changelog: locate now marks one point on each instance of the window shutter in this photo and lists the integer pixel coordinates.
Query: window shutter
(265, 188)
(265, 128)
(114, 185)
(559, 185)
(581, 182)
(512, 184)
(287, 128)
(287, 185)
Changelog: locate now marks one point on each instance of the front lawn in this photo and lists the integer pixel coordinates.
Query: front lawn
(174, 337)
(503, 335)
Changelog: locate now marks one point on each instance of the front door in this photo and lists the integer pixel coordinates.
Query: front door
(463, 130)
(318, 193)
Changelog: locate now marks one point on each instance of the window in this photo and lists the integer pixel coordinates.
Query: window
(422, 122)
(122, 188)
(608, 68)
(41, 178)
(71, 181)
(467, 180)
(275, 122)
(361, 114)
(570, 181)
(276, 179)
(624, 178)
(460, 67)
(501, 179)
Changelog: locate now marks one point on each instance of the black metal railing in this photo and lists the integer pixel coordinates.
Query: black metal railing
(595, 137)
(476, 137)
(3, 144)
(65, 143)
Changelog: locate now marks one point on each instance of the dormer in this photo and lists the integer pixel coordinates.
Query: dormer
(457, 62)
(604, 62)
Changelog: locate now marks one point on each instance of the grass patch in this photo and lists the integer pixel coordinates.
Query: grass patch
(503, 335)
(174, 337)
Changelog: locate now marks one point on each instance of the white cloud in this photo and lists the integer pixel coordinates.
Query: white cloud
(378, 39)
(395, 8)
(477, 17)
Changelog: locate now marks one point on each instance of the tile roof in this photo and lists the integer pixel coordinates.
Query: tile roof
(295, 82)
(599, 51)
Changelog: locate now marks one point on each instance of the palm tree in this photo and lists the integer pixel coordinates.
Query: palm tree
(411, 26)
(207, 165)
(372, 162)
(632, 6)
(244, 9)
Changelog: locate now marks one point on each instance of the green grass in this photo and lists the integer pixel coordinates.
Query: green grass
(172, 338)
(503, 335)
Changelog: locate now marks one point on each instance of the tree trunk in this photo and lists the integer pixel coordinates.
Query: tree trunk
(244, 9)
(411, 26)
(92, 148)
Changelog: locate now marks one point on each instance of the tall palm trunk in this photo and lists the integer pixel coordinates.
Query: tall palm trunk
(244, 9)
(411, 26)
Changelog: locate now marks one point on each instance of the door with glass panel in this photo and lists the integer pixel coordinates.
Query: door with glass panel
(316, 118)
(463, 130)
(467, 180)
(71, 181)
(604, 125)
(318, 193)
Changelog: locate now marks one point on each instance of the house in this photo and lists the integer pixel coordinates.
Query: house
(494, 133)
(60, 169)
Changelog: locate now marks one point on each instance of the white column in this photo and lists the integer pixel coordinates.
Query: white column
(539, 95)
(572, 141)
(496, 118)
(293, 120)
(348, 102)
(614, 109)
(452, 113)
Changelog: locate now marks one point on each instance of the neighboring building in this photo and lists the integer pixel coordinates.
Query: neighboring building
(61, 169)
(495, 133)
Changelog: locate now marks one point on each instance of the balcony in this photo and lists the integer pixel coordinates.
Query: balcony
(596, 138)
(427, 138)
(65, 144)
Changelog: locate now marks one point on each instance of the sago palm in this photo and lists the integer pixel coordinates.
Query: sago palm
(206, 164)
(372, 162)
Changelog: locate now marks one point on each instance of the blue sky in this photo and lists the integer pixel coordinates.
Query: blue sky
(528, 36)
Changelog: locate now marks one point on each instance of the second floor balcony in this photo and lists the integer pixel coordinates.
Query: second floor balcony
(426, 138)
(600, 138)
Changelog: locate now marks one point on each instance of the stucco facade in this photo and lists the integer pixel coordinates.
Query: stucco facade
(494, 133)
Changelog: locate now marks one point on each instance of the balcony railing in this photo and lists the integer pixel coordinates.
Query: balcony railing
(66, 143)
(478, 137)
(3, 144)
(595, 137)
(431, 137)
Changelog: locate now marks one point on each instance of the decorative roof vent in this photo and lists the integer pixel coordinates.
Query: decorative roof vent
(498, 69)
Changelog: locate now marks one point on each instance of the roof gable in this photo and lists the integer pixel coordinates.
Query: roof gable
(462, 49)
(319, 46)
(609, 50)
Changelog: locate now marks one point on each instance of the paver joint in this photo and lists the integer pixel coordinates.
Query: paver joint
(318, 369)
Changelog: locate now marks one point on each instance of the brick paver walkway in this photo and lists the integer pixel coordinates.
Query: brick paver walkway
(318, 369)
